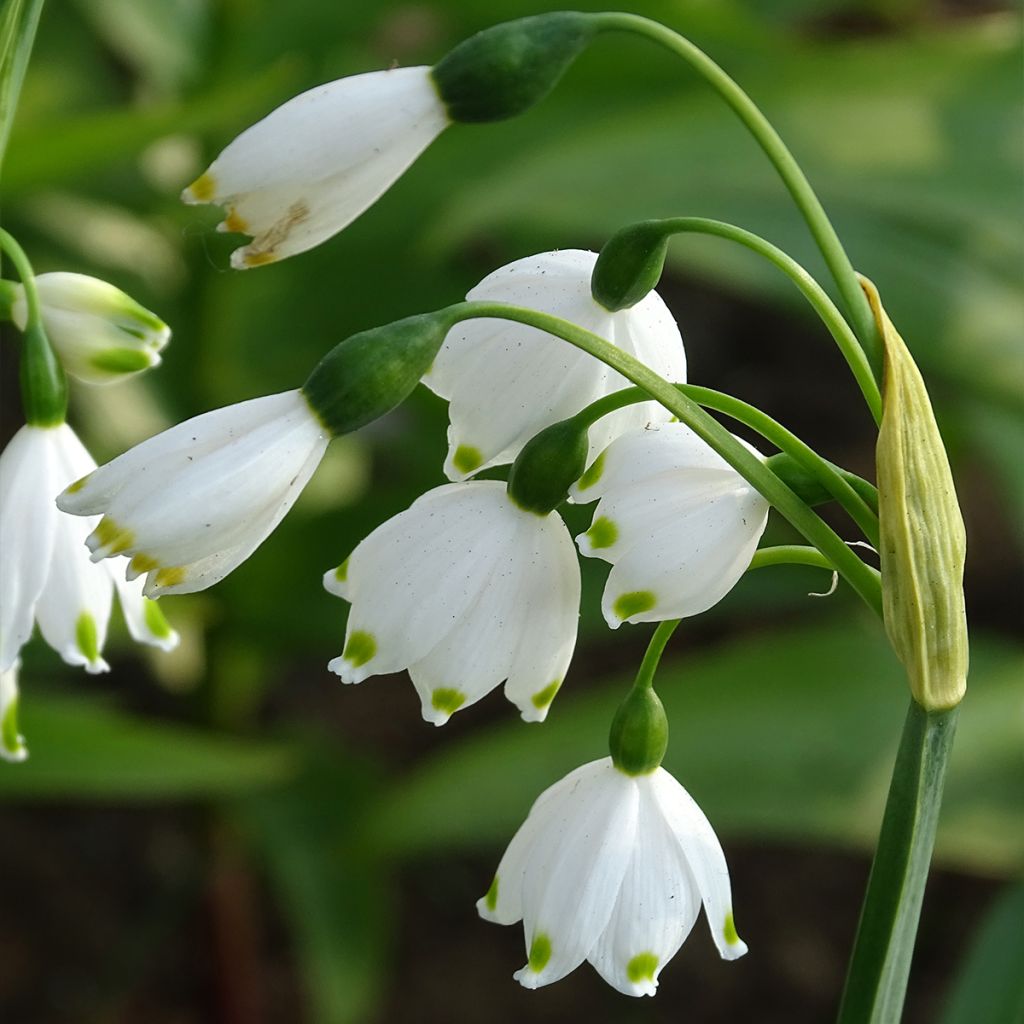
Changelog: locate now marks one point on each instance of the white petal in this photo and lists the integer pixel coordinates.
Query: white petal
(143, 617)
(12, 743)
(548, 619)
(28, 474)
(574, 872)
(657, 906)
(315, 163)
(416, 575)
(704, 857)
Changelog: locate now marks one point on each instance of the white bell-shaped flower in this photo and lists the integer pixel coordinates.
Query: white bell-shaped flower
(47, 575)
(311, 166)
(12, 743)
(612, 868)
(100, 334)
(465, 590)
(194, 502)
(505, 381)
(678, 524)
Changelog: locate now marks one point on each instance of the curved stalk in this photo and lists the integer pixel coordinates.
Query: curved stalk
(860, 576)
(789, 554)
(652, 657)
(776, 150)
(832, 479)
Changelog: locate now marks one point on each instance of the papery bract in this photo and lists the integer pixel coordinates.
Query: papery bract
(311, 166)
(505, 381)
(612, 868)
(677, 522)
(192, 503)
(465, 590)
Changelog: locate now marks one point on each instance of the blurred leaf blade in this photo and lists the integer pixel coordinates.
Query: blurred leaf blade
(18, 26)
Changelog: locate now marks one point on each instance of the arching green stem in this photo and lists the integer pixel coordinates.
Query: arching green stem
(655, 649)
(840, 485)
(863, 580)
(44, 389)
(789, 170)
(789, 554)
(809, 288)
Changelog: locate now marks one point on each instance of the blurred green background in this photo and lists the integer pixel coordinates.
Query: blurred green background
(228, 834)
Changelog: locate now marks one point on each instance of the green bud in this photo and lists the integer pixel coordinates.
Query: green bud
(549, 464)
(630, 265)
(639, 734)
(370, 373)
(923, 543)
(507, 68)
(44, 388)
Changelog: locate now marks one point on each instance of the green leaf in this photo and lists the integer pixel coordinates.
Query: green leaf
(17, 33)
(989, 986)
(789, 736)
(335, 898)
(82, 750)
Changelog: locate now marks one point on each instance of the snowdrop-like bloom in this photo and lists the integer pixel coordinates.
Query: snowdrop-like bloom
(464, 589)
(100, 334)
(47, 575)
(678, 524)
(506, 381)
(314, 164)
(612, 868)
(12, 743)
(191, 504)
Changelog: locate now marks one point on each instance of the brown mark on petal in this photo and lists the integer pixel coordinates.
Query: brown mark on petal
(262, 249)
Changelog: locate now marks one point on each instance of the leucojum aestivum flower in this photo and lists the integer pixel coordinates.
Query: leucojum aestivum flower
(565, 375)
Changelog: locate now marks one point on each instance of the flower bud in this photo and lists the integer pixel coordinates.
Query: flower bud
(639, 734)
(370, 373)
(549, 464)
(506, 69)
(923, 544)
(630, 265)
(99, 333)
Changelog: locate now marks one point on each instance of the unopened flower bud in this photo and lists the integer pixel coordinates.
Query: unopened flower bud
(549, 464)
(506, 69)
(630, 265)
(99, 333)
(923, 544)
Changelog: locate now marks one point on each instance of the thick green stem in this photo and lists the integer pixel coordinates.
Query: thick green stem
(44, 388)
(860, 576)
(826, 309)
(836, 482)
(789, 170)
(880, 964)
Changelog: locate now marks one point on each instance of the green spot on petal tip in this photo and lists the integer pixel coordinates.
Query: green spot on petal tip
(542, 698)
(491, 899)
(122, 360)
(447, 701)
(361, 647)
(341, 573)
(467, 458)
(603, 533)
(633, 603)
(86, 637)
(642, 967)
(729, 930)
(155, 620)
(540, 953)
(11, 742)
(593, 474)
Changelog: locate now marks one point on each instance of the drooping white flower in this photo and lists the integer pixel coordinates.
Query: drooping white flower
(100, 334)
(311, 166)
(12, 743)
(678, 524)
(192, 503)
(612, 868)
(47, 576)
(465, 590)
(505, 381)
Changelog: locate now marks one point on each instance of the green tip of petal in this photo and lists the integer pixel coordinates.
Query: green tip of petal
(729, 930)
(155, 620)
(642, 967)
(603, 533)
(77, 485)
(540, 953)
(361, 647)
(341, 573)
(109, 535)
(87, 637)
(122, 360)
(447, 701)
(467, 458)
(633, 603)
(11, 742)
(542, 698)
(491, 899)
(592, 475)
